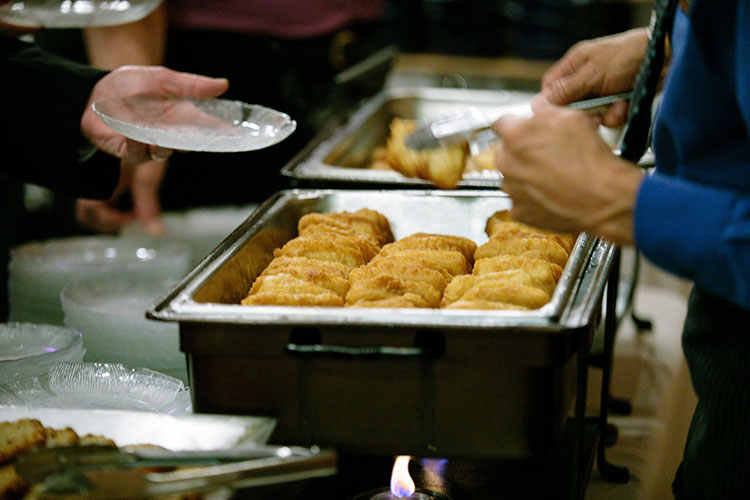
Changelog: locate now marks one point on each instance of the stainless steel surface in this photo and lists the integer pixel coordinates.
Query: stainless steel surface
(462, 127)
(105, 472)
(461, 213)
(440, 383)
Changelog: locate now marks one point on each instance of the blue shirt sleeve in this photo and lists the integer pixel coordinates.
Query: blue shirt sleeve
(697, 231)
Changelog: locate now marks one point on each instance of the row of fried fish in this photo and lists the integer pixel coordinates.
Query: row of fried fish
(350, 259)
(518, 268)
(313, 268)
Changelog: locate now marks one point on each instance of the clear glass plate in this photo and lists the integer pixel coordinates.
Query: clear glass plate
(213, 125)
(74, 13)
(110, 386)
(28, 349)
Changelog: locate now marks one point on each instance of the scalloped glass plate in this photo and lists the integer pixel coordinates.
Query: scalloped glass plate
(74, 13)
(110, 386)
(210, 125)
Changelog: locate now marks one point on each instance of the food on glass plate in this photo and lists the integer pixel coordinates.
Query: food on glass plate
(22, 435)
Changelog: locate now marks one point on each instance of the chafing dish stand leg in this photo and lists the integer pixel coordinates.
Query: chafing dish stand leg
(609, 472)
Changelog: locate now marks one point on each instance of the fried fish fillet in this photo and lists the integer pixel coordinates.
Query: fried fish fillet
(367, 247)
(332, 276)
(501, 222)
(508, 293)
(405, 259)
(385, 286)
(451, 261)
(509, 231)
(405, 270)
(461, 285)
(485, 304)
(443, 166)
(426, 241)
(551, 250)
(285, 283)
(365, 223)
(328, 299)
(329, 249)
(540, 269)
(410, 300)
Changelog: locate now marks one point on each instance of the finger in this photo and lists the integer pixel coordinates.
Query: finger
(504, 125)
(147, 180)
(539, 101)
(189, 85)
(616, 115)
(568, 89)
(100, 217)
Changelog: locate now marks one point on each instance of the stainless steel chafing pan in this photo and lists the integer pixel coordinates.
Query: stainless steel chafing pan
(342, 153)
(384, 381)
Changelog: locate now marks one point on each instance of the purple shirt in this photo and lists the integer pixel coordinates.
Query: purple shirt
(277, 18)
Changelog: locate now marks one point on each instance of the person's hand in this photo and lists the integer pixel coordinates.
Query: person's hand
(598, 67)
(142, 166)
(562, 176)
(141, 183)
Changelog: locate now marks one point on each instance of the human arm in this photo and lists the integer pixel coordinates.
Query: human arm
(142, 43)
(561, 175)
(47, 102)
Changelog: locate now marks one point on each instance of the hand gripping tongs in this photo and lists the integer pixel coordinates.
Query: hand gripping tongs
(99, 472)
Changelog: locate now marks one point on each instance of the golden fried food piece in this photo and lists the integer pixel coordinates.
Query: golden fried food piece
(509, 293)
(328, 299)
(443, 166)
(485, 304)
(551, 249)
(503, 232)
(329, 249)
(501, 222)
(385, 286)
(60, 437)
(365, 223)
(406, 270)
(451, 261)
(381, 159)
(484, 160)
(404, 259)
(95, 440)
(285, 283)
(461, 285)
(539, 268)
(404, 160)
(410, 300)
(11, 484)
(367, 247)
(428, 241)
(332, 276)
(19, 436)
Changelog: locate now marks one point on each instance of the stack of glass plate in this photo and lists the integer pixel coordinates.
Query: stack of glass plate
(40, 270)
(110, 312)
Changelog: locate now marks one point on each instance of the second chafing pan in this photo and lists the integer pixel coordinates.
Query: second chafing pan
(343, 153)
(427, 382)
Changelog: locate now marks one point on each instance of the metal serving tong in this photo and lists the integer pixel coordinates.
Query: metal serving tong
(459, 128)
(101, 472)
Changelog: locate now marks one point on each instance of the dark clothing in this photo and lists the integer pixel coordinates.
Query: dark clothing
(43, 98)
(716, 341)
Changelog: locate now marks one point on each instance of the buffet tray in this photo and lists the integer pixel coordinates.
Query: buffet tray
(342, 154)
(424, 382)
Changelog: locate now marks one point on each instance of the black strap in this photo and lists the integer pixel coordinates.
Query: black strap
(635, 139)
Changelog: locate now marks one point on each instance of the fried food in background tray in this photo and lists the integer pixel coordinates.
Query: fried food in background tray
(26, 434)
(518, 268)
(313, 268)
(444, 166)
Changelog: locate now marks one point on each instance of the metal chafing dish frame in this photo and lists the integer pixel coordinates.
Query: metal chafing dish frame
(549, 344)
